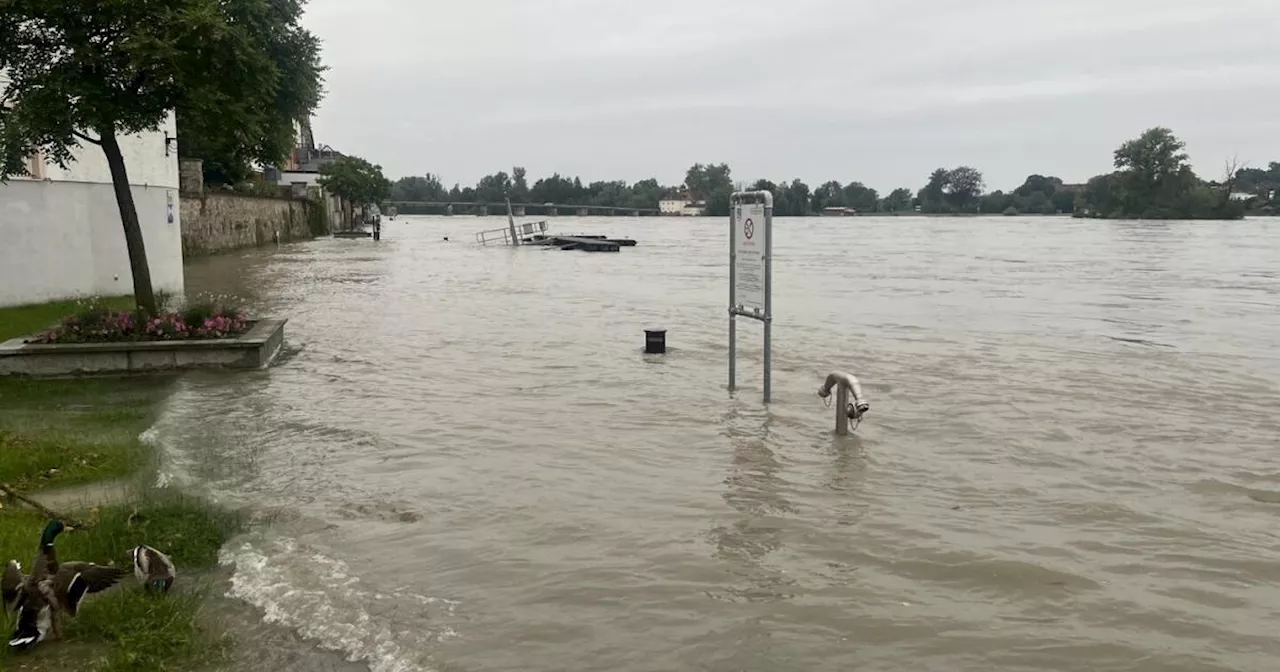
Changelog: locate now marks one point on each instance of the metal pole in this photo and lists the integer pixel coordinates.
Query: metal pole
(511, 224)
(842, 406)
(733, 302)
(768, 296)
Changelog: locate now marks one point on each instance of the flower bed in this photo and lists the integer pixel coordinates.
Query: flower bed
(103, 325)
(105, 340)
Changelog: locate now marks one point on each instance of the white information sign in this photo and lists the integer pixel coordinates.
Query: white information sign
(749, 233)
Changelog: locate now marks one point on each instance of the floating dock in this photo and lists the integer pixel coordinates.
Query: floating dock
(535, 234)
(586, 243)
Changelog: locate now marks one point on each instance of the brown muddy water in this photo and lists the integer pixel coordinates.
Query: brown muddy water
(1070, 462)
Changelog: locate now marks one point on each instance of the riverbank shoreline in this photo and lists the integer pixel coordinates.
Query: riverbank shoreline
(76, 447)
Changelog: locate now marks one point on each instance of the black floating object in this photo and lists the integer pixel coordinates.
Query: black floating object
(655, 341)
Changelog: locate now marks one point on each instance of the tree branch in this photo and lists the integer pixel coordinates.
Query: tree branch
(135, 85)
(8, 490)
(86, 138)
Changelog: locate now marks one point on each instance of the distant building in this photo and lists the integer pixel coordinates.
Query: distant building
(682, 206)
(302, 167)
(838, 212)
(63, 236)
(304, 164)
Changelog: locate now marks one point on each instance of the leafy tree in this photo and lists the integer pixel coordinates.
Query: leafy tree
(494, 188)
(1038, 183)
(646, 194)
(782, 206)
(934, 191)
(713, 184)
(702, 180)
(861, 197)
(1150, 165)
(798, 196)
(898, 200)
(425, 188)
(91, 71)
(285, 89)
(1039, 203)
(554, 189)
(1104, 197)
(998, 201)
(1262, 183)
(519, 187)
(964, 186)
(1063, 201)
(1154, 181)
(1039, 195)
(355, 181)
(828, 195)
(955, 190)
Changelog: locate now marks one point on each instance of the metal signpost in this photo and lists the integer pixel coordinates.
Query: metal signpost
(750, 273)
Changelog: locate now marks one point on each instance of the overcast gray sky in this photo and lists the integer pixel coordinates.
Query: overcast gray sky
(879, 91)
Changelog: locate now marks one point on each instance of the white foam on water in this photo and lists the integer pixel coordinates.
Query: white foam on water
(320, 598)
(165, 475)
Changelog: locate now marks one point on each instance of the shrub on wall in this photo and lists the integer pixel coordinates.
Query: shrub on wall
(317, 217)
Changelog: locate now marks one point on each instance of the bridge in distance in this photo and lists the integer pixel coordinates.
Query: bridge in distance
(517, 209)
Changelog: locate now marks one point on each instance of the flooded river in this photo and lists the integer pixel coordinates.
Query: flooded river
(1070, 462)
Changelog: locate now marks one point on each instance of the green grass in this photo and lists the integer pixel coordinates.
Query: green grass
(125, 628)
(60, 433)
(57, 433)
(23, 320)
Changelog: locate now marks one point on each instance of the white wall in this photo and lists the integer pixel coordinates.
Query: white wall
(672, 206)
(144, 160)
(64, 239)
(61, 237)
(288, 177)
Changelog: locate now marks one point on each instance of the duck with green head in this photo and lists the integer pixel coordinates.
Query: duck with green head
(53, 589)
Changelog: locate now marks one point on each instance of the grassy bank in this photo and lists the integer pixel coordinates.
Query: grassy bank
(62, 433)
(22, 320)
(125, 628)
(56, 433)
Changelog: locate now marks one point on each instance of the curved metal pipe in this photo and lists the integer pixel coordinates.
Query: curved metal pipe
(844, 384)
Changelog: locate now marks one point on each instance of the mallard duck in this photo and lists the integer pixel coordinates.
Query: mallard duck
(54, 588)
(154, 569)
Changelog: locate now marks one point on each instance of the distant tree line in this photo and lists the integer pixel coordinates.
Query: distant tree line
(1152, 180)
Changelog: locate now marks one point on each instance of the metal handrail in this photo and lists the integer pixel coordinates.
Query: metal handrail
(845, 384)
(504, 234)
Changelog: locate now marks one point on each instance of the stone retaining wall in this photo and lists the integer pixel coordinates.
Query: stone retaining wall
(217, 222)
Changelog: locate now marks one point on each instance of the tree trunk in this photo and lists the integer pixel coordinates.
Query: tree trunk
(143, 295)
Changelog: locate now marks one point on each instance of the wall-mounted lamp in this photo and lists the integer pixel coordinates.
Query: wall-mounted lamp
(170, 143)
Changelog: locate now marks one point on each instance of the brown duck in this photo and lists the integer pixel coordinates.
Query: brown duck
(51, 590)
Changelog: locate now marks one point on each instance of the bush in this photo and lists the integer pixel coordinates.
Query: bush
(1010, 211)
(263, 189)
(317, 217)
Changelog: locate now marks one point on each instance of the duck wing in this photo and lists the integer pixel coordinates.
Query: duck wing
(11, 583)
(74, 580)
(156, 565)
